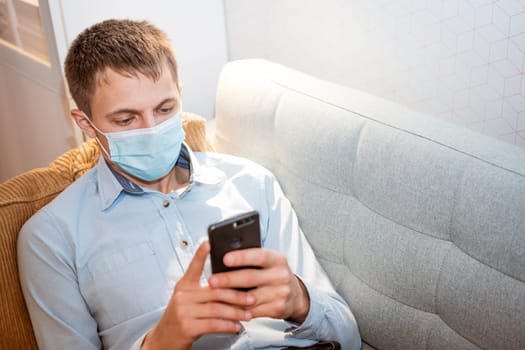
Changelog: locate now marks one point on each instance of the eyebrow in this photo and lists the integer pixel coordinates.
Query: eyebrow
(136, 111)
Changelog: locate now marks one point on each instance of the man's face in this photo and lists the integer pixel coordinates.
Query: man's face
(124, 103)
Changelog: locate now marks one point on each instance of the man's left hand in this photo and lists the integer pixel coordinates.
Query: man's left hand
(278, 291)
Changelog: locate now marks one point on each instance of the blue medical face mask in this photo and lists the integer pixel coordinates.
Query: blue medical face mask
(147, 153)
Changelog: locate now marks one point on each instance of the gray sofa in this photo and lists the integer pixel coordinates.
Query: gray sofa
(419, 223)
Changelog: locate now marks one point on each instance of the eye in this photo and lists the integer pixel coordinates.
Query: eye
(125, 121)
(166, 110)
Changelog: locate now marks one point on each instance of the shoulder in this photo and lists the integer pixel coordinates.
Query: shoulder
(63, 209)
(227, 161)
(83, 189)
(232, 165)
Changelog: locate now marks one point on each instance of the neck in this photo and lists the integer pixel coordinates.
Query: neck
(177, 178)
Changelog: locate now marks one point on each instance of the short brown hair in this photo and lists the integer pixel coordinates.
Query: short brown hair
(125, 46)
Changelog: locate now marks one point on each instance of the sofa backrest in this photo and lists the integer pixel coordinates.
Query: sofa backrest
(420, 223)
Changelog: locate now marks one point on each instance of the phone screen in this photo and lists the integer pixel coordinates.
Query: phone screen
(239, 232)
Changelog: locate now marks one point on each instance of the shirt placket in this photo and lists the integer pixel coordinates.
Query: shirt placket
(180, 236)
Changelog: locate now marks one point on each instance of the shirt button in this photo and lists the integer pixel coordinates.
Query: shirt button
(184, 244)
(166, 203)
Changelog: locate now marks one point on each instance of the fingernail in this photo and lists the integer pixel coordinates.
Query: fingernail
(250, 299)
(212, 282)
(247, 315)
(228, 260)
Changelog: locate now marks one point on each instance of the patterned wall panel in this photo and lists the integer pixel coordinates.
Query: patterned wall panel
(460, 60)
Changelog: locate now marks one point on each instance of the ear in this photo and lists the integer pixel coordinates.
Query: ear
(81, 119)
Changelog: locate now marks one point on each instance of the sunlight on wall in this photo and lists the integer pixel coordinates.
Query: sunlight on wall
(21, 28)
(458, 60)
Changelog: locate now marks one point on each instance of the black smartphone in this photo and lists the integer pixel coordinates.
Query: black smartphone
(239, 232)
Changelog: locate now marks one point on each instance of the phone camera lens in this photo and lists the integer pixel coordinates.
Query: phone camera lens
(236, 243)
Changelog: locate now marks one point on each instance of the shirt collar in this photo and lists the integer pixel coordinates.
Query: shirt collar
(111, 183)
(201, 173)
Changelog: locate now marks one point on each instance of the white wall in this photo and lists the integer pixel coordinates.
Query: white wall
(460, 60)
(32, 116)
(33, 110)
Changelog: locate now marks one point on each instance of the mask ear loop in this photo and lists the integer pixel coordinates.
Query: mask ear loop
(96, 137)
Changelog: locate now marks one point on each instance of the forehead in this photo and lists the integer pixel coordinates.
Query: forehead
(116, 90)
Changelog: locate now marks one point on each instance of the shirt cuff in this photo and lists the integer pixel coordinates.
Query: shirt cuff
(310, 326)
(138, 344)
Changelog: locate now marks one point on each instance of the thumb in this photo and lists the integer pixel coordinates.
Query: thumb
(194, 271)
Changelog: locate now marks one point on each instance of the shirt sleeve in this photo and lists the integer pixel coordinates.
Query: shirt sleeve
(138, 343)
(60, 317)
(329, 316)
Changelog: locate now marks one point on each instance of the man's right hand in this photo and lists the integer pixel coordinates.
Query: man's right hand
(195, 310)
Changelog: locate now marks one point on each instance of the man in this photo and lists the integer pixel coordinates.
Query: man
(118, 259)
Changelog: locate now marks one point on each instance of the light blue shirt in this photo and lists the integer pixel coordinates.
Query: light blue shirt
(99, 263)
